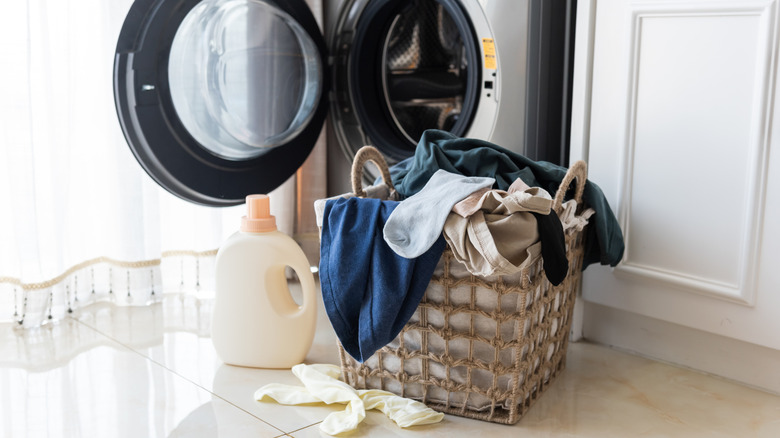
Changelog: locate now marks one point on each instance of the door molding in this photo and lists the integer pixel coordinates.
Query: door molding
(743, 291)
(582, 82)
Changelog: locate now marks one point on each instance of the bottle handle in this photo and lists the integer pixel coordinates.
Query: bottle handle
(308, 286)
(283, 304)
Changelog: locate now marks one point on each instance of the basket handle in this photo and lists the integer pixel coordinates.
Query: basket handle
(578, 170)
(369, 153)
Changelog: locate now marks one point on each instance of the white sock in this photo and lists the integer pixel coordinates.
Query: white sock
(416, 223)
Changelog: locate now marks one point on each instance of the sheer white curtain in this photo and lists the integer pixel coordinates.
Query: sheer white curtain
(80, 221)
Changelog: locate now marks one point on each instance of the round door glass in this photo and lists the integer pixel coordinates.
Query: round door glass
(244, 77)
(425, 70)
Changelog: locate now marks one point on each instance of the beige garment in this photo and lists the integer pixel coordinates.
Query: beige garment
(321, 384)
(495, 232)
(570, 220)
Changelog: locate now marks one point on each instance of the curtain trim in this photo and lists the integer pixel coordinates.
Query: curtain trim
(32, 350)
(103, 260)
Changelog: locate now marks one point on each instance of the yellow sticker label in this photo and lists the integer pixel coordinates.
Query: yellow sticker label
(489, 47)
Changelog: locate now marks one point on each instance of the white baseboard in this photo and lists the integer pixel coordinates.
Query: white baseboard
(746, 363)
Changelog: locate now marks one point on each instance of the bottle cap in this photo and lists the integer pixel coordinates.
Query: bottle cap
(258, 218)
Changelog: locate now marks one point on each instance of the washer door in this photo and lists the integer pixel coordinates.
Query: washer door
(220, 98)
(401, 67)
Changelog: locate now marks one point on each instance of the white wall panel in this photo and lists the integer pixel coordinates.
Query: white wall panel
(682, 127)
(696, 109)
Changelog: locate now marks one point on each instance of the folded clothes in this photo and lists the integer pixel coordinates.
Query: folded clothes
(369, 291)
(321, 385)
(442, 150)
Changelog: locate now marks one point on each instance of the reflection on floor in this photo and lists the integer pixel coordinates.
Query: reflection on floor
(152, 372)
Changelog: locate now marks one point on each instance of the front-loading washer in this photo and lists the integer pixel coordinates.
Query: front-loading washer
(222, 98)
(494, 70)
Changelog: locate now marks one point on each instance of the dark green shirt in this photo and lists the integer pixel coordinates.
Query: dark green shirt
(442, 150)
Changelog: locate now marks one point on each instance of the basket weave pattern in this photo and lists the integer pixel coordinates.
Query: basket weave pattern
(498, 378)
(480, 347)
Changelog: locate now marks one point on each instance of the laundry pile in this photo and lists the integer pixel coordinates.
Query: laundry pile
(490, 205)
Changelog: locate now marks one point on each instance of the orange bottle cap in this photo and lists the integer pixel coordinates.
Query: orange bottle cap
(258, 218)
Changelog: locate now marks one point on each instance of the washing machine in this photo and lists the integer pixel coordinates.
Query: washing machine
(222, 98)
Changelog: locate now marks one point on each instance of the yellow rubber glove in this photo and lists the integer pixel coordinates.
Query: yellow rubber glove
(321, 385)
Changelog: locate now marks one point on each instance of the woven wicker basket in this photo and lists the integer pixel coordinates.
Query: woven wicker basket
(478, 347)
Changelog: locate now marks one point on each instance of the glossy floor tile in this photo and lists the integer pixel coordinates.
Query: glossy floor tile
(153, 372)
(185, 348)
(106, 390)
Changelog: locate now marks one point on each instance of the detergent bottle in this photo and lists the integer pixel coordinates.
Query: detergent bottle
(256, 322)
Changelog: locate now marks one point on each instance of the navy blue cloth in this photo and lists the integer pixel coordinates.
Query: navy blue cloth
(369, 291)
(443, 150)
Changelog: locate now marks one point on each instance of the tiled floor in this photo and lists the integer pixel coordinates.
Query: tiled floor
(152, 372)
